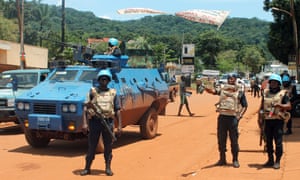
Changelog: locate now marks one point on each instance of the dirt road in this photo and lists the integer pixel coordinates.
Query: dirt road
(185, 148)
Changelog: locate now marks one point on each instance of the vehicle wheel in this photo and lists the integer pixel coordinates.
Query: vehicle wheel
(149, 124)
(34, 140)
(163, 112)
(100, 146)
(296, 109)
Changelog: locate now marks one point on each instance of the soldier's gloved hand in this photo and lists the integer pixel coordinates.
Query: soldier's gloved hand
(88, 105)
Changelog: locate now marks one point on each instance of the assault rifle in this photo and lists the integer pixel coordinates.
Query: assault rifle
(261, 122)
(97, 111)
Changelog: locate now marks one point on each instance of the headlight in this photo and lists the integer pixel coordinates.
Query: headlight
(26, 106)
(11, 102)
(69, 108)
(20, 106)
(65, 108)
(72, 108)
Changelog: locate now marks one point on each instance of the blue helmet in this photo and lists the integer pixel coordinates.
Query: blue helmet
(105, 72)
(275, 77)
(285, 78)
(113, 42)
(234, 75)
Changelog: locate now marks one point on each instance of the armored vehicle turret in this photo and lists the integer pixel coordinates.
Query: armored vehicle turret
(55, 108)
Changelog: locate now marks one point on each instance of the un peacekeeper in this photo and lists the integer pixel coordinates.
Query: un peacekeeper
(106, 99)
(292, 93)
(113, 48)
(231, 107)
(274, 102)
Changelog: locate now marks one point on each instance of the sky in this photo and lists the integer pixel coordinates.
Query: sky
(108, 8)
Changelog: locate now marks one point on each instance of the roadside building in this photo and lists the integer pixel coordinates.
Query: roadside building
(36, 57)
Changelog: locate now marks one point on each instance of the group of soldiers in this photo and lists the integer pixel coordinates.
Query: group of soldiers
(274, 113)
(103, 107)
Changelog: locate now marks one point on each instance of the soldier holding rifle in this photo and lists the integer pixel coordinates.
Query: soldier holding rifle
(274, 104)
(101, 110)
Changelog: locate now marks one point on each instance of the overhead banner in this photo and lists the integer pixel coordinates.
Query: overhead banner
(139, 11)
(214, 17)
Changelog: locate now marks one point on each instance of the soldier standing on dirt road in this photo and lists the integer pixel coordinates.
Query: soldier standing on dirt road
(231, 107)
(273, 102)
(292, 93)
(108, 102)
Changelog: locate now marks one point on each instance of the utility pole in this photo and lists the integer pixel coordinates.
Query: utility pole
(62, 26)
(295, 30)
(20, 9)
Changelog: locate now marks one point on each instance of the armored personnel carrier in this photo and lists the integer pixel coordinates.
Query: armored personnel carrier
(54, 108)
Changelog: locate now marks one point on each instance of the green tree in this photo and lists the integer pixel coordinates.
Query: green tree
(210, 43)
(252, 58)
(281, 35)
(8, 29)
(226, 61)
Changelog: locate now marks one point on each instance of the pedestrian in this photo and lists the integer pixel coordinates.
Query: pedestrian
(183, 97)
(256, 87)
(274, 102)
(231, 108)
(252, 83)
(109, 107)
(292, 93)
(173, 79)
(113, 48)
(264, 85)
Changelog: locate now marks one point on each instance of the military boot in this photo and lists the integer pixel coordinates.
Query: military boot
(222, 160)
(277, 163)
(270, 161)
(235, 160)
(87, 169)
(108, 171)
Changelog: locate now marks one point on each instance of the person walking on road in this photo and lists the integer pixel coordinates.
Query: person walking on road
(274, 102)
(109, 107)
(183, 97)
(231, 107)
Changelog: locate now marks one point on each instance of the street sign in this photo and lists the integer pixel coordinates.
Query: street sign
(187, 69)
(292, 65)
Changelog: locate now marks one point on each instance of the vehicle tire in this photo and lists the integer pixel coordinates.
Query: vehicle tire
(163, 112)
(149, 124)
(100, 146)
(296, 109)
(35, 141)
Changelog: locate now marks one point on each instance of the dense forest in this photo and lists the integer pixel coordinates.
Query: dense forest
(240, 42)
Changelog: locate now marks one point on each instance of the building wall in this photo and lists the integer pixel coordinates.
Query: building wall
(36, 57)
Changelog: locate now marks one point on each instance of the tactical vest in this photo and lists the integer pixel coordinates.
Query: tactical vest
(105, 101)
(229, 100)
(271, 113)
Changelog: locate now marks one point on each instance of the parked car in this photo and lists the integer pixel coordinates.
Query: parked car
(247, 85)
(12, 84)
